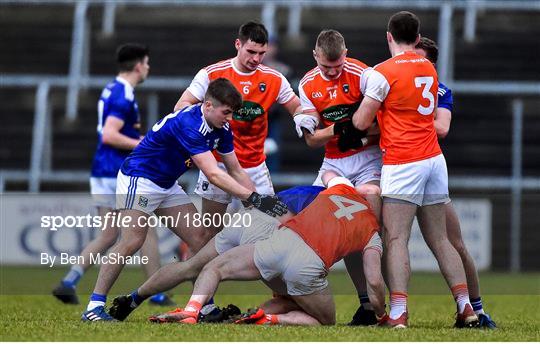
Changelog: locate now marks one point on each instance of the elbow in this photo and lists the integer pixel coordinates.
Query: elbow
(107, 138)
(442, 132)
(360, 124)
(311, 143)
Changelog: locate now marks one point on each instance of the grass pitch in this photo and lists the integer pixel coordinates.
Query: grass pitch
(29, 313)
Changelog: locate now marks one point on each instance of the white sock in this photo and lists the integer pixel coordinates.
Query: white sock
(94, 304)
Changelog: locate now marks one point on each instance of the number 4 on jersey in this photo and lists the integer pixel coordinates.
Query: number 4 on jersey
(346, 211)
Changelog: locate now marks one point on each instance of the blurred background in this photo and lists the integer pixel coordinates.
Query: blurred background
(56, 56)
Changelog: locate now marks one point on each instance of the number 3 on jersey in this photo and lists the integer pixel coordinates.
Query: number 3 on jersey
(161, 123)
(346, 211)
(427, 81)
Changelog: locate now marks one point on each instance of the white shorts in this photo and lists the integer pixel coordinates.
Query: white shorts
(423, 182)
(284, 254)
(103, 191)
(262, 226)
(360, 168)
(144, 195)
(259, 175)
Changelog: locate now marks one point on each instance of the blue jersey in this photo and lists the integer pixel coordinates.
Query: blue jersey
(117, 99)
(444, 98)
(299, 197)
(165, 152)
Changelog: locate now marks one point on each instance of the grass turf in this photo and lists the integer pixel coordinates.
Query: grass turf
(29, 313)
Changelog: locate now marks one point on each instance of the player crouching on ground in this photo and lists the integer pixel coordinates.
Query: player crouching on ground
(337, 223)
(169, 276)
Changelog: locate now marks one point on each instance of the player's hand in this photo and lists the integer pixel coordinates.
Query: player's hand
(268, 204)
(307, 122)
(348, 136)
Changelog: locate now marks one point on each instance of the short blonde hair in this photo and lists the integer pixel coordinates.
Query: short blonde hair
(330, 43)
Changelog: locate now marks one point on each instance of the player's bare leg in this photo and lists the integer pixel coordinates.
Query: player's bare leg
(212, 207)
(103, 242)
(108, 234)
(453, 229)
(374, 279)
(279, 304)
(397, 218)
(170, 275)
(131, 240)
(319, 305)
(432, 221)
(166, 278)
(182, 226)
(150, 249)
(314, 309)
(235, 264)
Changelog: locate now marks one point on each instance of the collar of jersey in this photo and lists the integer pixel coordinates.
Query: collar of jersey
(205, 124)
(239, 72)
(128, 88)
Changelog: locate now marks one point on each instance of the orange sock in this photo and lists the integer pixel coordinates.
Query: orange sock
(268, 319)
(461, 295)
(193, 307)
(398, 304)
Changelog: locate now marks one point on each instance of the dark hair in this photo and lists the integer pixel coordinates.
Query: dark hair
(404, 27)
(253, 31)
(331, 43)
(223, 91)
(430, 47)
(129, 54)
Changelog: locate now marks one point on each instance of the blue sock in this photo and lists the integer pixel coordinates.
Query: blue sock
(211, 301)
(364, 299)
(477, 305)
(98, 297)
(138, 299)
(73, 276)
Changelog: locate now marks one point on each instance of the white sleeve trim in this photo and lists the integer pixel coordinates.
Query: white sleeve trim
(305, 101)
(339, 180)
(374, 85)
(199, 84)
(375, 243)
(286, 92)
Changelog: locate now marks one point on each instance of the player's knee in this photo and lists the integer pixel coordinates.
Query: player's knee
(130, 245)
(199, 240)
(328, 318)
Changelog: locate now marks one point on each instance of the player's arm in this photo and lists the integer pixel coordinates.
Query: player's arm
(364, 116)
(265, 203)
(443, 117)
(194, 94)
(293, 106)
(375, 88)
(112, 136)
(236, 171)
(208, 165)
(319, 137)
(374, 279)
(186, 99)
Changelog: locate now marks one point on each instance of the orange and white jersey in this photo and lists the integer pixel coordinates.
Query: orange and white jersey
(259, 89)
(406, 84)
(337, 222)
(334, 100)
